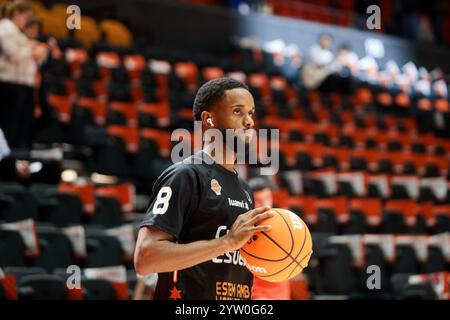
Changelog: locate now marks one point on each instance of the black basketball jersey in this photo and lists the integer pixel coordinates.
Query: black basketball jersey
(200, 200)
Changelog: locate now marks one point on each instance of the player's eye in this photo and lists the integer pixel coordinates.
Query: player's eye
(237, 112)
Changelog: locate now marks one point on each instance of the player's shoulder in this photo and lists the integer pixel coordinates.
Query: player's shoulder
(189, 167)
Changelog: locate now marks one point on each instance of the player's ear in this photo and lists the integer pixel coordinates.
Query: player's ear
(207, 119)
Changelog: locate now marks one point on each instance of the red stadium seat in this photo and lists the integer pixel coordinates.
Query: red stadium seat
(128, 134)
(372, 208)
(85, 191)
(107, 61)
(339, 205)
(129, 110)
(62, 104)
(162, 138)
(75, 58)
(161, 110)
(210, 73)
(408, 208)
(442, 105)
(124, 193)
(189, 73)
(134, 64)
(97, 108)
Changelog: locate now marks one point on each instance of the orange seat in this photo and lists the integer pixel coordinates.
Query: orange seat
(280, 198)
(124, 193)
(97, 108)
(278, 83)
(128, 134)
(402, 100)
(116, 33)
(161, 137)
(364, 96)
(63, 105)
(372, 209)
(339, 205)
(75, 58)
(410, 124)
(129, 110)
(408, 208)
(85, 191)
(134, 64)
(189, 73)
(385, 99)
(211, 73)
(161, 110)
(442, 105)
(427, 210)
(70, 86)
(424, 104)
(99, 88)
(106, 61)
(260, 81)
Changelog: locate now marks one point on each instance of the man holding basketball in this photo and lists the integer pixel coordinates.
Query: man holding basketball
(201, 212)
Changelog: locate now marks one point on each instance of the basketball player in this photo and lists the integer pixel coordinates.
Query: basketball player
(200, 215)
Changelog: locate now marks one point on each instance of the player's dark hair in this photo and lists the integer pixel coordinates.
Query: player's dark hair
(258, 184)
(211, 92)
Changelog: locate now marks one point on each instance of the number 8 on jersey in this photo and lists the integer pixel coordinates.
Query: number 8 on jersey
(162, 200)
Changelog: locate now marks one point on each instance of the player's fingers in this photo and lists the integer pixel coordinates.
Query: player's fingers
(257, 211)
(260, 217)
(259, 228)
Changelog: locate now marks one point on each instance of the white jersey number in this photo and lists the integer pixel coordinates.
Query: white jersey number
(162, 200)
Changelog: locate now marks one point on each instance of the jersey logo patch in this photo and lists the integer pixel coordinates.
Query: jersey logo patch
(216, 187)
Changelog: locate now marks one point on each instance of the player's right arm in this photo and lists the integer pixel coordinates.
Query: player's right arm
(157, 252)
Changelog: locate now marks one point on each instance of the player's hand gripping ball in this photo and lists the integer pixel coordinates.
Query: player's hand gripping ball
(282, 252)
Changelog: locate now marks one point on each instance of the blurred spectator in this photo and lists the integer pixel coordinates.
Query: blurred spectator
(18, 67)
(11, 169)
(264, 290)
(26, 171)
(317, 69)
(52, 51)
(346, 65)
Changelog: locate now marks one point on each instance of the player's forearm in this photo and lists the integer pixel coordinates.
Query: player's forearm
(167, 256)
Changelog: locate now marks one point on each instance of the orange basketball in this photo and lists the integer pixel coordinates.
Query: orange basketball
(282, 252)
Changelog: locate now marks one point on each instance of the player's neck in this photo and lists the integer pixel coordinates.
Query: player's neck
(221, 157)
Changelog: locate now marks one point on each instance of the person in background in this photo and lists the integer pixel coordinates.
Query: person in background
(25, 169)
(265, 290)
(346, 65)
(11, 169)
(317, 71)
(18, 66)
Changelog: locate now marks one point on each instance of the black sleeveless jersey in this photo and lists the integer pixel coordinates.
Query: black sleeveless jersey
(198, 199)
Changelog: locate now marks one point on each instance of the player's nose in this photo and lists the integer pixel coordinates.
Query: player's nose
(248, 122)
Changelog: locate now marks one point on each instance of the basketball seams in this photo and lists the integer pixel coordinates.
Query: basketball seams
(276, 244)
(308, 254)
(293, 259)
